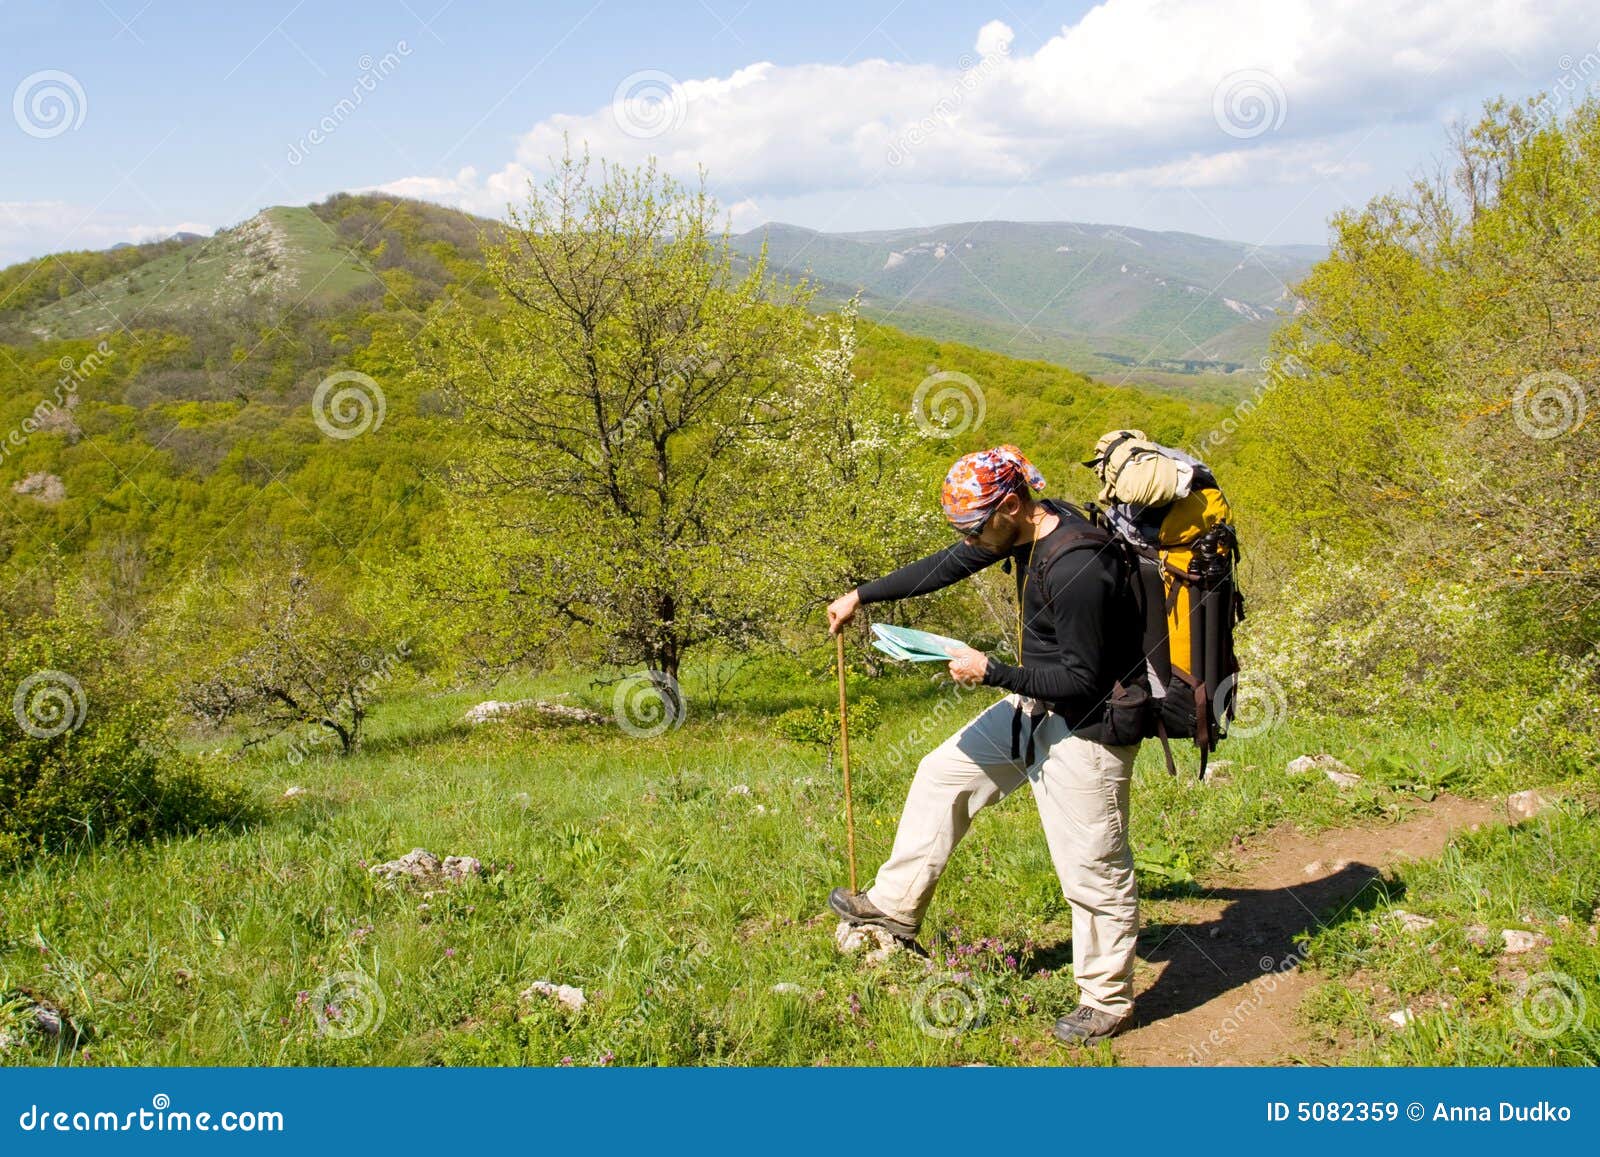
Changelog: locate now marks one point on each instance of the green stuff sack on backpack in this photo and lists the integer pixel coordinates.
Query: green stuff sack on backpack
(1170, 508)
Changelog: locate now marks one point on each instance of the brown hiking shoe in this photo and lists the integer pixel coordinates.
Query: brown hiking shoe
(857, 909)
(1086, 1025)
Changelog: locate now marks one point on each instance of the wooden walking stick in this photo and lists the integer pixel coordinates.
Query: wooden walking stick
(844, 758)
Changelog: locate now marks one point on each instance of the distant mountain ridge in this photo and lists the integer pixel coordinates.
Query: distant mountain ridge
(1093, 296)
(1164, 308)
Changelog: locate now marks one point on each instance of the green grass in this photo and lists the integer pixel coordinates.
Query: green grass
(628, 867)
(1472, 1004)
(298, 260)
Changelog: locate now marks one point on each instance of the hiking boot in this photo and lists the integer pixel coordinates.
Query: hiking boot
(857, 909)
(1085, 1025)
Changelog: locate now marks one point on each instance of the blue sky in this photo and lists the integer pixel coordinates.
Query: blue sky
(1238, 118)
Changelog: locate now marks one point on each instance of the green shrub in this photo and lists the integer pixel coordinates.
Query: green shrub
(84, 757)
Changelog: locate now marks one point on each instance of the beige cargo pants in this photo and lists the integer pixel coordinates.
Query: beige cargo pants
(1081, 788)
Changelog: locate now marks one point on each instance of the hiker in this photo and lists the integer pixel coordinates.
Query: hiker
(1062, 725)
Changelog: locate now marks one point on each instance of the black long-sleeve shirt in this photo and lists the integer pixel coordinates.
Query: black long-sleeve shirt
(1072, 650)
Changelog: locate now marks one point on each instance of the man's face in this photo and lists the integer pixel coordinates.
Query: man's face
(1002, 528)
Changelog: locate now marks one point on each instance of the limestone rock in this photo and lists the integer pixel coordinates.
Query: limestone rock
(423, 866)
(852, 938)
(565, 995)
(1524, 805)
(1327, 765)
(1517, 941)
(1411, 921)
(45, 488)
(492, 709)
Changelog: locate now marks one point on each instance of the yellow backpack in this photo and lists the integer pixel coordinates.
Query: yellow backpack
(1169, 507)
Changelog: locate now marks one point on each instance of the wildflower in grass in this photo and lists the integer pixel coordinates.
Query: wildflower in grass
(607, 1057)
(449, 952)
(566, 1061)
(302, 998)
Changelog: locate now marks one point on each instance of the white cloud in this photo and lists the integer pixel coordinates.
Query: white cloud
(35, 228)
(1159, 92)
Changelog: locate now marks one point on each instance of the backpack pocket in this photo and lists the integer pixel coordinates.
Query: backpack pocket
(1129, 716)
(1177, 709)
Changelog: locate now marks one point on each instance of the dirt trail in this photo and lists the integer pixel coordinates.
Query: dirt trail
(1218, 979)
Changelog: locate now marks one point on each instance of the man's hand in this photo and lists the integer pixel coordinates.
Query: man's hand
(968, 666)
(841, 611)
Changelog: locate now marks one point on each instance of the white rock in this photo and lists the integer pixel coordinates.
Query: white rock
(1517, 941)
(1343, 778)
(1524, 805)
(564, 994)
(493, 709)
(1401, 1018)
(1306, 764)
(291, 792)
(1411, 921)
(739, 789)
(421, 864)
(851, 938)
(45, 488)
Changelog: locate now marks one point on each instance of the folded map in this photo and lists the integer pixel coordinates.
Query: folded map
(912, 645)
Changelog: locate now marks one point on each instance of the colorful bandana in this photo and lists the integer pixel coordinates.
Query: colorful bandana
(978, 481)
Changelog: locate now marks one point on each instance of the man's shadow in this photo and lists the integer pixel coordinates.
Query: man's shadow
(1252, 938)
